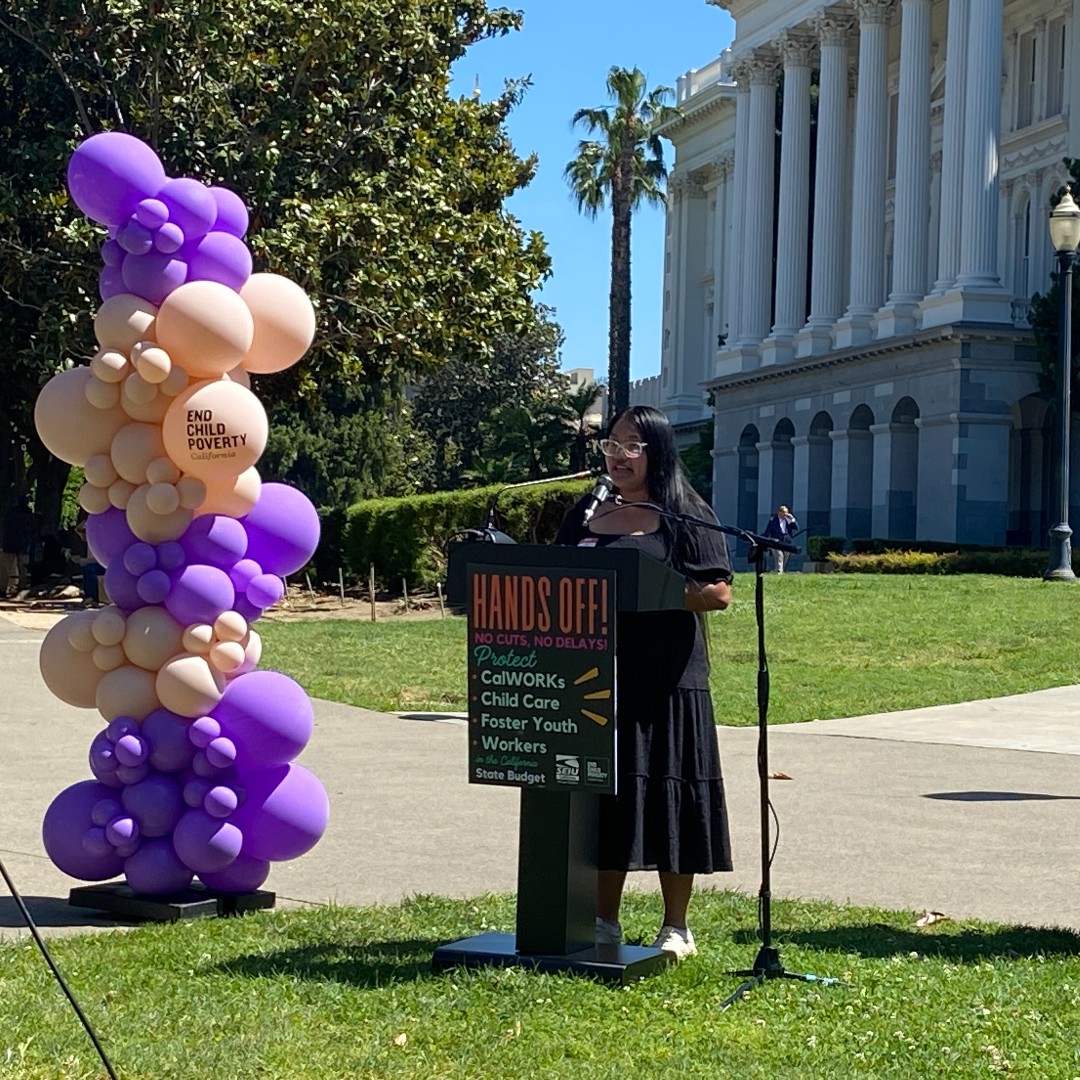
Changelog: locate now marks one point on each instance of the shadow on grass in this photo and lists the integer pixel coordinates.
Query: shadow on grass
(960, 946)
(366, 966)
(54, 911)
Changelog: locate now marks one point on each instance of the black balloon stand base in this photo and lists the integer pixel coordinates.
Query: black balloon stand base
(195, 902)
(607, 963)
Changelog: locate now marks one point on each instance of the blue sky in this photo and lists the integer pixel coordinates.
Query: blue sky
(567, 47)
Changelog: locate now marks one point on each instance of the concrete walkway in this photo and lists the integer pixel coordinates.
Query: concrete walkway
(972, 810)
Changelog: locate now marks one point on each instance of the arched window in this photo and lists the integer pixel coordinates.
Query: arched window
(816, 515)
(748, 478)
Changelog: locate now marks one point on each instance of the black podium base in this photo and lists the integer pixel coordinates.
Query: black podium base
(195, 902)
(608, 963)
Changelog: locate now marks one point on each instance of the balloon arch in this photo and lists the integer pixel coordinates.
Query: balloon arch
(194, 771)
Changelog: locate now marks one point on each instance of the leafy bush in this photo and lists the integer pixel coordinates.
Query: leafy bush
(407, 537)
(1008, 562)
(819, 547)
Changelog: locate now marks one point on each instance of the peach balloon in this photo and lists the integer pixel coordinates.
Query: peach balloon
(108, 657)
(69, 672)
(109, 365)
(176, 382)
(163, 499)
(151, 362)
(152, 637)
(198, 638)
(149, 410)
(252, 654)
(205, 328)
(109, 626)
(230, 626)
(189, 686)
(239, 375)
(284, 322)
(123, 321)
(152, 527)
(70, 427)
(134, 447)
(234, 496)
(126, 691)
(120, 492)
(192, 492)
(102, 395)
(94, 499)
(162, 470)
(99, 470)
(215, 430)
(227, 656)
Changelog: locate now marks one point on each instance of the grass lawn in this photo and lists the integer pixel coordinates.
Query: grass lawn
(337, 992)
(839, 645)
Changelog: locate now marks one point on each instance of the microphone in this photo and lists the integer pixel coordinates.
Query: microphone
(490, 532)
(600, 493)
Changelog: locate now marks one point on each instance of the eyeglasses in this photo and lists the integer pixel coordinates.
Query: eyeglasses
(611, 448)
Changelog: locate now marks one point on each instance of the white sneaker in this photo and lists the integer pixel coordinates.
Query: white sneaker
(608, 932)
(678, 942)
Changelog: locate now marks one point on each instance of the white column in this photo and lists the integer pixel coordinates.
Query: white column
(797, 52)
(871, 161)
(676, 253)
(738, 231)
(827, 292)
(952, 159)
(982, 123)
(758, 203)
(912, 173)
(721, 250)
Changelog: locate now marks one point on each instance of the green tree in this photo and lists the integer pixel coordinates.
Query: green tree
(579, 404)
(624, 166)
(370, 186)
(1044, 316)
(454, 406)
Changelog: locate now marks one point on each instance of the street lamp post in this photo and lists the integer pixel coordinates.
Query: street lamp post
(1065, 236)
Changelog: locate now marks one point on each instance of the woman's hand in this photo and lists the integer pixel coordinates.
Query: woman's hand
(707, 596)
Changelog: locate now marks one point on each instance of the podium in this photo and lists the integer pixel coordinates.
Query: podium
(543, 660)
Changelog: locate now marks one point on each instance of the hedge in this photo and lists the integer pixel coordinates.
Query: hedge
(1008, 562)
(819, 547)
(406, 538)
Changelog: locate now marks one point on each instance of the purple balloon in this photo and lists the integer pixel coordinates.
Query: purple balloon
(215, 539)
(220, 801)
(243, 606)
(132, 774)
(139, 558)
(108, 535)
(191, 206)
(264, 591)
(243, 574)
(112, 254)
(154, 586)
(203, 731)
(221, 753)
(283, 813)
(96, 843)
(282, 530)
(199, 594)
(110, 174)
(195, 791)
(154, 275)
(103, 763)
(167, 736)
(152, 213)
(131, 749)
(122, 832)
(244, 874)
(104, 811)
(170, 555)
(156, 803)
(66, 822)
(169, 238)
(204, 843)
(135, 239)
(111, 282)
(123, 588)
(232, 215)
(121, 726)
(156, 870)
(267, 716)
(223, 258)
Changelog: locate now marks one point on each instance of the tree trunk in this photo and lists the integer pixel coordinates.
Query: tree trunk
(48, 475)
(619, 308)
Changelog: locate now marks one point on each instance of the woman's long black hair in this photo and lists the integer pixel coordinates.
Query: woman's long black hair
(667, 481)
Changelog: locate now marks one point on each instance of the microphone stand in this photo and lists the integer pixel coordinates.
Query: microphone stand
(489, 532)
(767, 964)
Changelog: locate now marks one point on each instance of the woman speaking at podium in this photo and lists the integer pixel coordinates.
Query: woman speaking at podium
(669, 814)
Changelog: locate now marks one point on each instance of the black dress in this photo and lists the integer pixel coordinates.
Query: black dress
(669, 813)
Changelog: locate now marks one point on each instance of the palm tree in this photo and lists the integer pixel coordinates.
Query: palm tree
(624, 163)
(579, 404)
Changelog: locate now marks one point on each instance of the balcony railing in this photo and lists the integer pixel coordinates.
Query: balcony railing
(698, 79)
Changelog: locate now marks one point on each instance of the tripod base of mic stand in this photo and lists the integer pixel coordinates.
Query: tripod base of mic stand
(767, 966)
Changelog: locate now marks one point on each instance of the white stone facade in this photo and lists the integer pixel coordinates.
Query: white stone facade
(853, 293)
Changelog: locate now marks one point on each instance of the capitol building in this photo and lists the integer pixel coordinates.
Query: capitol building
(856, 222)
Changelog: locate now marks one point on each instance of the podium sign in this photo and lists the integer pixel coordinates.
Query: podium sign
(541, 667)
